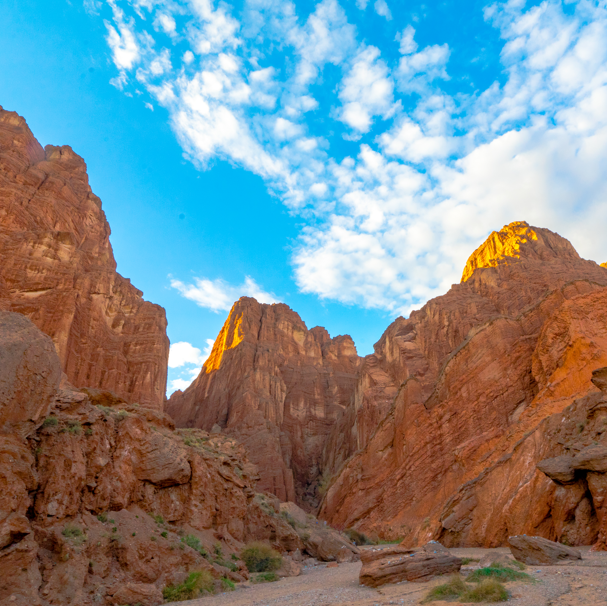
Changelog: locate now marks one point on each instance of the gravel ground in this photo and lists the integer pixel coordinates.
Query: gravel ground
(563, 585)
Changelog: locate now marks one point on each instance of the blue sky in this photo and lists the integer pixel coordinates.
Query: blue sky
(344, 157)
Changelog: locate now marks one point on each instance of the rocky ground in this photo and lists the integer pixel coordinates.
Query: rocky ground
(583, 584)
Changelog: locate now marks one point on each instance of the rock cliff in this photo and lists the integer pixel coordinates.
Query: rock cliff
(279, 388)
(104, 502)
(464, 389)
(57, 268)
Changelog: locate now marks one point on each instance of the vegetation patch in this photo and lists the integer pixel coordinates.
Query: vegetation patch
(466, 561)
(74, 427)
(488, 590)
(194, 542)
(500, 573)
(74, 534)
(260, 557)
(228, 584)
(265, 577)
(196, 584)
(50, 422)
(358, 538)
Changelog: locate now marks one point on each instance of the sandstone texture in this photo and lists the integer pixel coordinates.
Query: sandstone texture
(396, 564)
(537, 551)
(473, 391)
(279, 388)
(57, 268)
(104, 502)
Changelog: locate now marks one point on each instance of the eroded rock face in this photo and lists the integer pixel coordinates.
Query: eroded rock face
(462, 388)
(276, 386)
(102, 501)
(57, 268)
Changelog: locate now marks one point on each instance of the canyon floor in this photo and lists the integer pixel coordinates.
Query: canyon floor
(584, 584)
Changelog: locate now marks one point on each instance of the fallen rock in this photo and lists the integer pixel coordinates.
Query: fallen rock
(416, 566)
(435, 547)
(145, 594)
(289, 567)
(538, 551)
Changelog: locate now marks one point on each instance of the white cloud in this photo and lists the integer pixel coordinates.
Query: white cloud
(407, 44)
(366, 90)
(382, 9)
(218, 295)
(183, 353)
(167, 23)
(393, 224)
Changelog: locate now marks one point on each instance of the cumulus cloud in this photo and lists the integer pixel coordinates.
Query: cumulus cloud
(189, 359)
(435, 170)
(218, 295)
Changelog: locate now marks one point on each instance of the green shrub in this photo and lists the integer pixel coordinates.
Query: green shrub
(498, 572)
(358, 538)
(466, 561)
(452, 589)
(157, 518)
(74, 534)
(194, 542)
(196, 584)
(102, 517)
(164, 534)
(217, 550)
(74, 427)
(260, 557)
(50, 422)
(228, 584)
(488, 590)
(265, 577)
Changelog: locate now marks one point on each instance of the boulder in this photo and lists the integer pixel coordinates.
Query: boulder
(145, 594)
(30, 374)
(538, 551)
(289, 567)
(560, 469)
(435, 547)
(416, 566)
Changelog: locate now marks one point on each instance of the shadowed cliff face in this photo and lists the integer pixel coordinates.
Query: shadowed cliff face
(457, 385)
(58, 269)
(279, 388)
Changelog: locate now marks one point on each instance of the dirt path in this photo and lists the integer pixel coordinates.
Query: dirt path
(582, 585)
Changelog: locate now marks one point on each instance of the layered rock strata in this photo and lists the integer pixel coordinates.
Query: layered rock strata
(102, 501)
(462, 388)
(276, 386)
(57, 268)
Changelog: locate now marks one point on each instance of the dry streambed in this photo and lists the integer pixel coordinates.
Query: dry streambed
(579, 584)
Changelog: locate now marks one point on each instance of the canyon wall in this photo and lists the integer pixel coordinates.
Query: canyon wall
(459, 386)
(104, 502)
(279, 388)
(57, 268)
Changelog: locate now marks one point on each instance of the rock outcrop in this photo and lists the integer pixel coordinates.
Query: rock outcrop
(279, 388)
(469, 390)
(57, 268)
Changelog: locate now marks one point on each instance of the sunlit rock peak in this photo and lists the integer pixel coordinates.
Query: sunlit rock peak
(516, 242)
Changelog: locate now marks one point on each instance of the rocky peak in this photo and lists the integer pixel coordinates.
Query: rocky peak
(58, 269)
(516, 242)
(278, 387)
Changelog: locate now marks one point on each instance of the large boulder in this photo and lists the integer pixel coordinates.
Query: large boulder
(538, 551)
(382, 566)
(592, 458)
(30, 374)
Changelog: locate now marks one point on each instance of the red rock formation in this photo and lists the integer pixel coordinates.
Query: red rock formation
(58, 269)
(278, 387)
(98, 497)
(474, 372)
